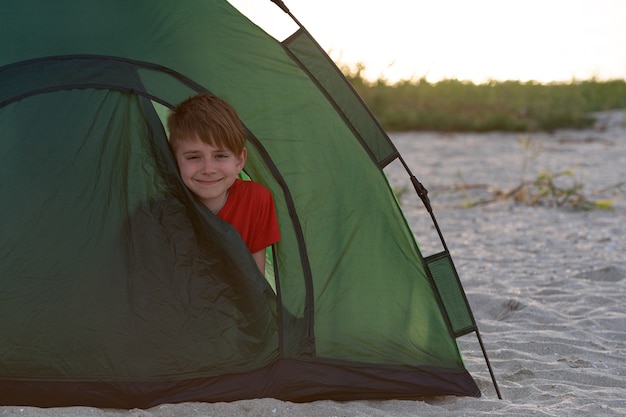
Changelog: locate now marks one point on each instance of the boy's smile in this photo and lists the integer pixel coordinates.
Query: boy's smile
(207, 171)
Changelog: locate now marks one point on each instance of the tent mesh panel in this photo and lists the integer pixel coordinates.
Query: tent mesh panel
(451, 292)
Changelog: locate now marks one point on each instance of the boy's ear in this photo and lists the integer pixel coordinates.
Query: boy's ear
(242, 158)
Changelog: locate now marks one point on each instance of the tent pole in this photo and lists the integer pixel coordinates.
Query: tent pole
(493, 377)
(422, 192)
(285, 9)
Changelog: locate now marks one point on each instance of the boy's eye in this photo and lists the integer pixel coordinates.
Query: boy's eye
(221, 155)
(191, 157)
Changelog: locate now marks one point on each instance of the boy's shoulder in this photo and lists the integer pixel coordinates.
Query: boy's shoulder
(247, 186)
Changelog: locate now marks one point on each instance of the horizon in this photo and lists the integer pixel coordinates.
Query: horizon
(543, 41)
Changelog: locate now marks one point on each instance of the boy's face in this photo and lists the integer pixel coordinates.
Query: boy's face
(207, 171)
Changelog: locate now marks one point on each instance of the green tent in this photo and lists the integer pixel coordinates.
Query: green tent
(117, 289)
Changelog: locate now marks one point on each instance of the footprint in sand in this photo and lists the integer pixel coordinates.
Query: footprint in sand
(607, 274)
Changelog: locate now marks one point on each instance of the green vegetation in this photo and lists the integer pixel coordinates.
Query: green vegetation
(549, 189)
(514, 106)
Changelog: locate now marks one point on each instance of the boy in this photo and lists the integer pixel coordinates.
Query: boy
(208, 141)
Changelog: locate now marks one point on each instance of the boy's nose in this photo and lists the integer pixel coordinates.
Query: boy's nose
(209, 166)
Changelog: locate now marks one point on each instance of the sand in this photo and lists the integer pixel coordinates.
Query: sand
(547, 285)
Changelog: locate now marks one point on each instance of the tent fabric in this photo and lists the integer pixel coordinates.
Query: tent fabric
(118, 289)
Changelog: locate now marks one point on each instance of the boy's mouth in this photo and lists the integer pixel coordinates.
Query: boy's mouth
(208, 182)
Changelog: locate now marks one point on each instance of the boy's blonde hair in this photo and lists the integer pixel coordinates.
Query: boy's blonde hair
(209, 118)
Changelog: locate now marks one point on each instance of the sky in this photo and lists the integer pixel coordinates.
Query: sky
(474, 40)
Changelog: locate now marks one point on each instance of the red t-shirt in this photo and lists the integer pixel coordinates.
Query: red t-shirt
(250, 209)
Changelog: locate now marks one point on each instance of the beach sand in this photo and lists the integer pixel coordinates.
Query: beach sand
(547, 285)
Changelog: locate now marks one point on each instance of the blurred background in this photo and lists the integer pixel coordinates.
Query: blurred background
(469, 66)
